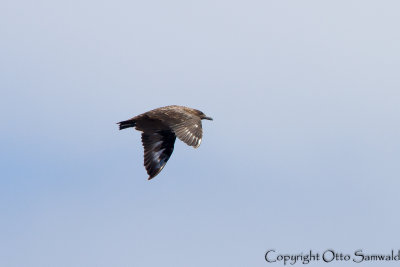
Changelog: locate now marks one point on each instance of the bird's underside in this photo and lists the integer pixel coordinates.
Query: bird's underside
(159, 128)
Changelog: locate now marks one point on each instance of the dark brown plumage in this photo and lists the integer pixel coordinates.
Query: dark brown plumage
(160, 127)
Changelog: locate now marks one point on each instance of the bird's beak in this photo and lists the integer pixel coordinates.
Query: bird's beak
(208, 118)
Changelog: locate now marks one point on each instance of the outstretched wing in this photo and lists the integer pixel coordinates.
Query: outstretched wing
(189, 131)
(186, 126)
(158, 147)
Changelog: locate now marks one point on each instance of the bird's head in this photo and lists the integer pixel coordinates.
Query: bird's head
(203, 116)
(198, 113)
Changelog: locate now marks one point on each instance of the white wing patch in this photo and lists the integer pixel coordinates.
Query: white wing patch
(158, 147)
(190, 132)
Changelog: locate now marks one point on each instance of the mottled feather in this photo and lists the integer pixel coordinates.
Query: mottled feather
(160, 128)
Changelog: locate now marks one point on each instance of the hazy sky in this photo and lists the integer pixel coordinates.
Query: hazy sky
(303, 152)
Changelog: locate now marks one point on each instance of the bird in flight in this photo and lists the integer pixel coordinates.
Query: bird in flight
(160, 127)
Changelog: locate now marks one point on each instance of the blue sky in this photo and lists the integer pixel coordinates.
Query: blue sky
(303, 152)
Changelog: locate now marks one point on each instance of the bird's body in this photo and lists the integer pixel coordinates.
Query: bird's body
(160, 127)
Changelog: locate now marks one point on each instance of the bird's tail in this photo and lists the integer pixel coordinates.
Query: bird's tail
(126, 124)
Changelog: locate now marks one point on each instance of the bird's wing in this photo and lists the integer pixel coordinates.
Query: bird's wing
(186, 126)
(189, 131)
(158, 147)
